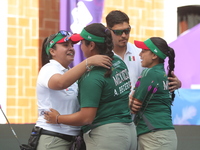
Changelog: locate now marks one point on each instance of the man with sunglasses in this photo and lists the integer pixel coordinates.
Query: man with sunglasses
(118, 22)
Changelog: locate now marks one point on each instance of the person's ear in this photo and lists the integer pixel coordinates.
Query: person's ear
(154, 56)
(92, 45)
(52, 52)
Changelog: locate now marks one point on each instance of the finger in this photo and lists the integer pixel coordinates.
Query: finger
(46, 113)
(172, 80)
(45, 117)
(107, 62)
(137, 103)
(51, 110)
(136, 106)
(172, 89)
(107, 57)
(134, 109)
(172, 73)
(105, 66)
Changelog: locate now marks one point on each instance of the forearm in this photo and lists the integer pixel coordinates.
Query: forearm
(85, 116)
(76, 119)
(58, 81)
(72, 75)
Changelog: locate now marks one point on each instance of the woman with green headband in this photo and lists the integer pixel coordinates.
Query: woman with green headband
(103, 95)
(153, 121)
(57, 88)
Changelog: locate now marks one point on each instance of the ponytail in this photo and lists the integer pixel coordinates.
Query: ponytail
(44, 57)
(171, 65)
(109, 48)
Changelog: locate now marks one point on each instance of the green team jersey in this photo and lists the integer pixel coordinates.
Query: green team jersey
(108, 94)
(152, 89)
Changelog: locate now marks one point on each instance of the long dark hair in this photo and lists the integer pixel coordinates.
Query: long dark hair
(105, 48)
(163, 46)
(44, 57)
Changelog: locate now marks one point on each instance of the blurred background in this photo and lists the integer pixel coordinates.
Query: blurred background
(25, 23)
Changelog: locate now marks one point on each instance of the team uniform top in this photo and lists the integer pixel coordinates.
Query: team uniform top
(156, 108)
(133, 62)
(108, 94)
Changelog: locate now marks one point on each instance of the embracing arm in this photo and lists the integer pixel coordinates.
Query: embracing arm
(62, 81)
(134, 104)
(83, 117)
(174, 83)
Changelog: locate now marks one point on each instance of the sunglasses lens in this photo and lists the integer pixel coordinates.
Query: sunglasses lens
(127, 31)
(120, 32)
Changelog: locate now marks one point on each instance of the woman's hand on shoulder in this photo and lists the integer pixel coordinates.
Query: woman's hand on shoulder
(100, 60)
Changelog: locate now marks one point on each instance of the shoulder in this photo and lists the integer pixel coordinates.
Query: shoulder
(148, 72)
(45, 68)
(49, 67)
(49, 70)
(117, 60)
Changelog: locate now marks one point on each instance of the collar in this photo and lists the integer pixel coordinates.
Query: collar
(52, 61)
(159, 66)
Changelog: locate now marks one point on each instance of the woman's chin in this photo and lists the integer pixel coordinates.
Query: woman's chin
(142, 64)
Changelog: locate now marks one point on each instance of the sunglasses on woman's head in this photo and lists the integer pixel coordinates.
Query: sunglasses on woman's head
(61, 37)
(120, 32)
(64, 33)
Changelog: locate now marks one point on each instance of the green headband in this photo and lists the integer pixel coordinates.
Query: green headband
(61, 37)
(90, 37)
(53, 42)
(155, 49)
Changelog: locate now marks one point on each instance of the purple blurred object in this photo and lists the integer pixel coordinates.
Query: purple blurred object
(187, 50)
(137, 84)
(75, 15)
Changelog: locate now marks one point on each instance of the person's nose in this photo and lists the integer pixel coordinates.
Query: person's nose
(124, 34)
(71, 46)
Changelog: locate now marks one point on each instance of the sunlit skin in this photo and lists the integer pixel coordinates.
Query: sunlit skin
(64, 53)
(148, 58)
(120, 41)
(88, 50)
